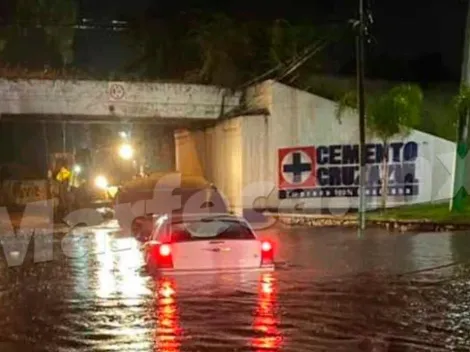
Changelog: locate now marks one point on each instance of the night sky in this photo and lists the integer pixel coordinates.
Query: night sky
(427, 33)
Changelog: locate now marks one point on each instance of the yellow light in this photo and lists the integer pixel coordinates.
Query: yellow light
(112, 191)
(101, 182)
(126, 151)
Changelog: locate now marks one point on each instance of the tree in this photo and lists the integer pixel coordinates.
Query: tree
(45, 26)
(193, 47)
(291, 47)
(300, 50)
(160, 45)
(224, 45)
(462, 107)
(217, 49)
(393, 113)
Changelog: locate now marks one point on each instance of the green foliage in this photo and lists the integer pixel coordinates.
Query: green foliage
(395, 112)
(225, 51)
(347, 101)
(290, 42)
(223, 47)
(435, 212)
(46, 23)
(157, 45)
(389, 114)
(439, 114)
(462, 100)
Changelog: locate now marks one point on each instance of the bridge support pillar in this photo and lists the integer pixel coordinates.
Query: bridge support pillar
(188, 160)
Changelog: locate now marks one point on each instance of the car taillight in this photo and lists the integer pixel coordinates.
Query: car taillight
(165, 250)
(267, 256)
(266, 246)
(162, 256)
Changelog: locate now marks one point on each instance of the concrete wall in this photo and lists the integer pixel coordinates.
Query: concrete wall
(20, 193)
(298, 118)
(187, 158)
(102, 98)
(162, 151)
(221, 157)
(241, 155)
(302, 119)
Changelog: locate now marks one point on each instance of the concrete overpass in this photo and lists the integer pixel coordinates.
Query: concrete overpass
(106, 102)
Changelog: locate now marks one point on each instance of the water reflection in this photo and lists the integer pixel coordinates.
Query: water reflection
(76, 247)
(106, 283)
(168, 331)
(430, 250)
(265, 325)
(130, 284)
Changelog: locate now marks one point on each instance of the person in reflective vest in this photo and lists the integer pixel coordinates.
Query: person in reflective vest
(75, 187)
(63, 177)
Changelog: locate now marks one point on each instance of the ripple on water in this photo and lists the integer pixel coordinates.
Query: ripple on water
(106, 303)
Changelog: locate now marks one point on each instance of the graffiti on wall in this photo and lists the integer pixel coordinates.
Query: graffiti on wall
(333, 170)
(23, 192)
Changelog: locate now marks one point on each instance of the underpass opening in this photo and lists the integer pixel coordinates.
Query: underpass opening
(88, 144)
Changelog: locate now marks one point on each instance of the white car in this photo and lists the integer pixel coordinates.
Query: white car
(204, 244)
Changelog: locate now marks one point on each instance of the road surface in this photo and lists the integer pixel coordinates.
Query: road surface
(332, 292)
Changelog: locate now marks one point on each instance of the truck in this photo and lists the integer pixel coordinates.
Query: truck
(138, 201)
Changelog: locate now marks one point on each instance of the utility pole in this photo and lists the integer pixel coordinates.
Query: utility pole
(64, 138)
(362, 116)
(458, 192)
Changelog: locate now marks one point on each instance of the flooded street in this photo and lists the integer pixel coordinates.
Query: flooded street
(332, 292)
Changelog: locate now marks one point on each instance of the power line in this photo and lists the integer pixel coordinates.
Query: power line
(294, 63)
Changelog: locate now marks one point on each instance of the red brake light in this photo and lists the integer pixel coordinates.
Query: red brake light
(267, 256)
(160, 256)
(165, 250)
(266, 246)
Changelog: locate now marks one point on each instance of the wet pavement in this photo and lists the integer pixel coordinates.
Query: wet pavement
(332, 292)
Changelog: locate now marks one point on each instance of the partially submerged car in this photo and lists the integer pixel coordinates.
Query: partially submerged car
(205, 243)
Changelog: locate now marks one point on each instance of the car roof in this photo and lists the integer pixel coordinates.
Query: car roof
(176, 218)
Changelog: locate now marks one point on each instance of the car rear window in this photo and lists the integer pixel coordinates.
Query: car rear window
(210, 230)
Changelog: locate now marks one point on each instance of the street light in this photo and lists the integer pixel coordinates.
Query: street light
(101, 182)
(126, 151)
(77, 169)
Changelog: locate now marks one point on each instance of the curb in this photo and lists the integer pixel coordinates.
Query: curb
(349, 221)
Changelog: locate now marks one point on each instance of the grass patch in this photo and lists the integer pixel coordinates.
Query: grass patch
(438, 213)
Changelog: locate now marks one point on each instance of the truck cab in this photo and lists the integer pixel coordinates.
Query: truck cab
(138, 201)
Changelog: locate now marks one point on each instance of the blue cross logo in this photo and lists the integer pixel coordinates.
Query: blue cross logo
(297, 167)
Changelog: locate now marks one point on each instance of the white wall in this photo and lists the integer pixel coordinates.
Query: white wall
(240, 155)
(220, 153)
(302, 119)
(103, 98)
(258, 183)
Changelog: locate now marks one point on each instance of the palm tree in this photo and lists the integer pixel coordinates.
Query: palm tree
(391, 114)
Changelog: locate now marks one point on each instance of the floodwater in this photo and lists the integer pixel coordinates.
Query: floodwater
(333, 291)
